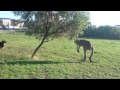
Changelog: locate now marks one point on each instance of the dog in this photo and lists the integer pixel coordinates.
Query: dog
(2, 44)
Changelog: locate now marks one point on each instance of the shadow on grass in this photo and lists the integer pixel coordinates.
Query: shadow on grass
(82, 61)
(33, 62)
(38, 62)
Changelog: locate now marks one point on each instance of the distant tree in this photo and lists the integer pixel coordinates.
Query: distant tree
(50, 24)
(1, 22)
(90, 31)
(15, 22)
(104, 32)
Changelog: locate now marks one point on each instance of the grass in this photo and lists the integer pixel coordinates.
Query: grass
(57, 59)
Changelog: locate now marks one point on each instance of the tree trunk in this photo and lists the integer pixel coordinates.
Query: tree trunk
(38, 47)
(47, 28)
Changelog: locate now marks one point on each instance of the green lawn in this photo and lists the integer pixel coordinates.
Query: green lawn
(57, 59)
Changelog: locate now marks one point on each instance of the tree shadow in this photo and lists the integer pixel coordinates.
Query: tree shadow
(33, 62)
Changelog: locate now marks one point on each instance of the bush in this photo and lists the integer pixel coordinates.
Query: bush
(105, 32)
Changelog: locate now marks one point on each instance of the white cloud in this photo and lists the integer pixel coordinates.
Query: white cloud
(105, 18)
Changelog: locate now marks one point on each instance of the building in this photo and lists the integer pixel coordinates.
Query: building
(117, 26)
(7, 23)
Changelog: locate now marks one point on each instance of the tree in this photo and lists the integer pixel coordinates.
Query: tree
(15, 22)
(50, 24)
(1, 22)
(90, 31)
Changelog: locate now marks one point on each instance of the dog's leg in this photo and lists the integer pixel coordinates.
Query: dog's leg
(3, 49)
(0, 49)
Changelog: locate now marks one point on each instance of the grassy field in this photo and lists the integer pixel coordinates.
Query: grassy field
(57, 59)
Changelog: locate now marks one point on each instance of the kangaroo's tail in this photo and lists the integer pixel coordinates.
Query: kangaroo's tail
(92, 52)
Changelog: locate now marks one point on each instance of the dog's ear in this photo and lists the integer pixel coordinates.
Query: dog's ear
(3, 40)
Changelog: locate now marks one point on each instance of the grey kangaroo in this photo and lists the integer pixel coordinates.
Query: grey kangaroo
(86, 46)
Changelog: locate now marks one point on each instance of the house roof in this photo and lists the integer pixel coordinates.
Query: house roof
(117, 25)
(6, 18)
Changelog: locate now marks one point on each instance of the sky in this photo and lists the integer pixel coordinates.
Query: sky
(98, 18)
(8, 14)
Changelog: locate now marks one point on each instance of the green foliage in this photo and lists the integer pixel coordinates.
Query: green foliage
(106, 32)
(14, 22)
(54, 23)
(58, 59)
(1, 22)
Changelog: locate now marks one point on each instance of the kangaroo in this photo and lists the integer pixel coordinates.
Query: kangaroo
(86, 46)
